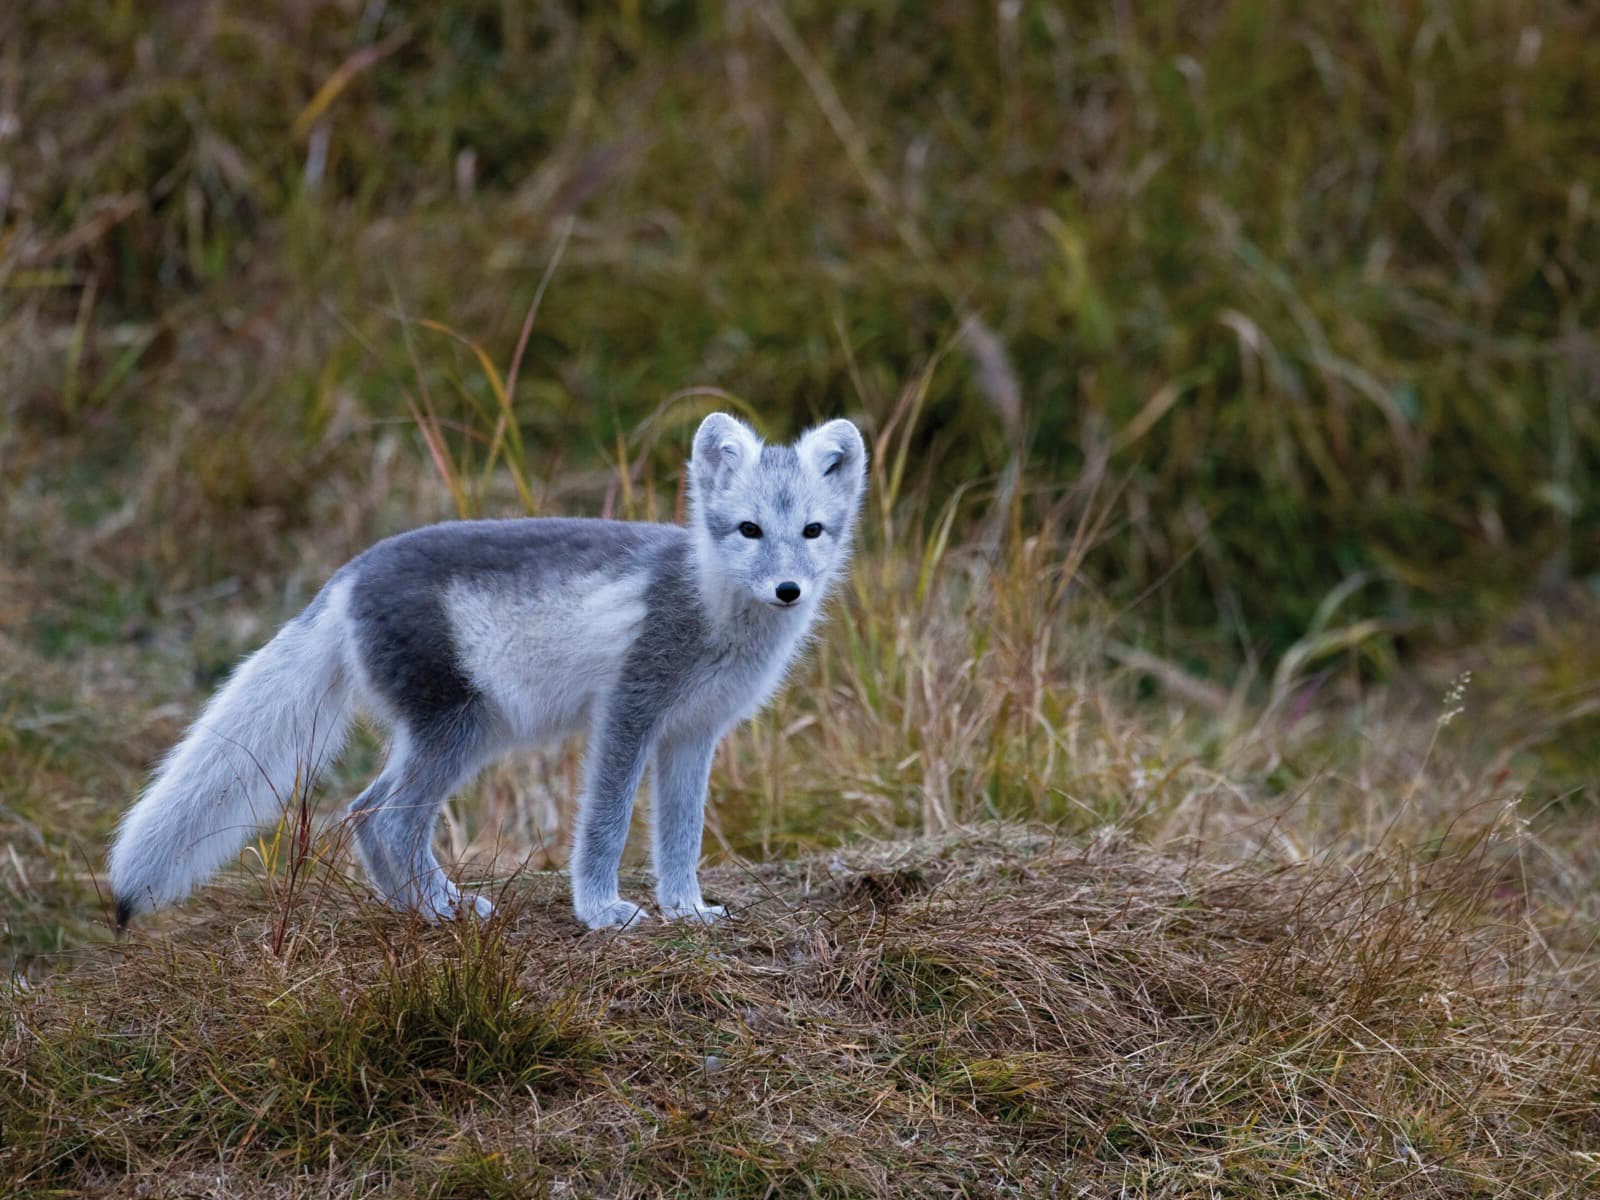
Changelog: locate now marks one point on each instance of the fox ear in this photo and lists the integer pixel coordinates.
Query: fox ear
(837, 452)
(723, 446)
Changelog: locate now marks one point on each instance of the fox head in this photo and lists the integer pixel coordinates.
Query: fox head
(774, 523)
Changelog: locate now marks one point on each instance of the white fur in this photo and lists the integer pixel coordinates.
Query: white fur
(280, 718)
(544, 658)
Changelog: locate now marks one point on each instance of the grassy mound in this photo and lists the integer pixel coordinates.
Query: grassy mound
(986, 1014)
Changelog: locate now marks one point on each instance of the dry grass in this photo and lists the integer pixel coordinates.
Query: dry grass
(995, 1012)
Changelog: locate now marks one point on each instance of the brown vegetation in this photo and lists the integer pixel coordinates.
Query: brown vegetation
(997, 1012)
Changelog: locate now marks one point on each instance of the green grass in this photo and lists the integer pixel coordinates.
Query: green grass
(733, 1162)
(428, 1027)
(476, 1174)
(1303, 291)
(366, 1061)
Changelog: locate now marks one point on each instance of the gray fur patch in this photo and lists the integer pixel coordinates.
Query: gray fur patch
(779, 458)
(673, 639)
(397, 597)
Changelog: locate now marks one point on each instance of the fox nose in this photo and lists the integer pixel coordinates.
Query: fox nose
(788, 591)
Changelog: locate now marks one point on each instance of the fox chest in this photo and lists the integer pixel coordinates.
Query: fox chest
(728, 688)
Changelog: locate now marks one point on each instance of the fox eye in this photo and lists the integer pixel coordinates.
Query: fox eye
(812, 530)
(750, 529)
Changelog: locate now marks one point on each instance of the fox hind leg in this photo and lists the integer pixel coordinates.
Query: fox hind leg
(368, 846)
(395, 817)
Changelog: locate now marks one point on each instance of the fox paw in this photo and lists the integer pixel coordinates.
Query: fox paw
(470, 904)
(613, 914)
(702, 913)
(450, 903)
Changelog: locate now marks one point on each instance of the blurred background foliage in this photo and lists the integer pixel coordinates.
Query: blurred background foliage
(1307, 293)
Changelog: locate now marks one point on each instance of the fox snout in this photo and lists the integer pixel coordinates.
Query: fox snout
(787, 592)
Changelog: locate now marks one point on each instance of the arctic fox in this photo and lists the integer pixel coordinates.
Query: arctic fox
(470, 638)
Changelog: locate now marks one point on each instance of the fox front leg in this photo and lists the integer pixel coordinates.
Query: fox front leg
(618, 750)
(678, 804)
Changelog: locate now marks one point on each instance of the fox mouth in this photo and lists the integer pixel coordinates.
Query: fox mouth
(784, 603)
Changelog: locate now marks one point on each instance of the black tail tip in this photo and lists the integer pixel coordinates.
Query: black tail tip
(124, 914)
